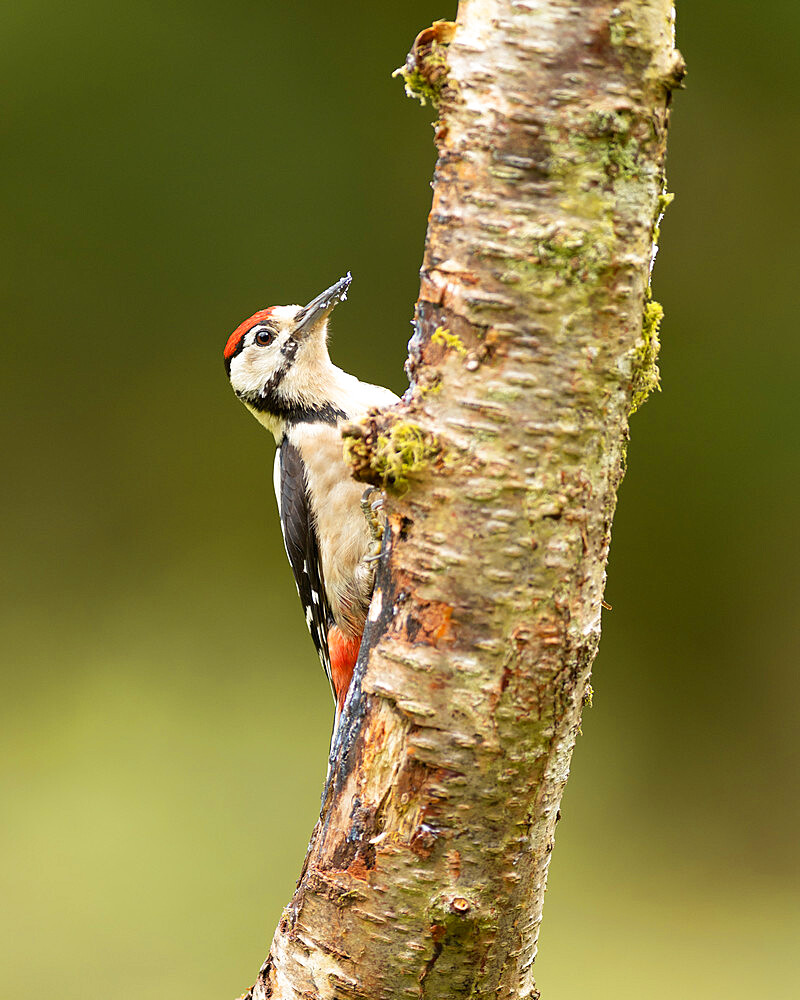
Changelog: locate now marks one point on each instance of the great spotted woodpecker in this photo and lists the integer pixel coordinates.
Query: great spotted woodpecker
(278, 365)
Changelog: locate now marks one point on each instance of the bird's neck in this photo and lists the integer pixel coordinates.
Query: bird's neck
(320, 395)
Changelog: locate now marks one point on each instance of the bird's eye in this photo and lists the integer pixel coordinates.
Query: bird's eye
(264, 338)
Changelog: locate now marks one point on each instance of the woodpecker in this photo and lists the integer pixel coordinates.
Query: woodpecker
(278, 365)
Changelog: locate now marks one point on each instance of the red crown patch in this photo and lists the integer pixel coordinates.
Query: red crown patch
(241, 330)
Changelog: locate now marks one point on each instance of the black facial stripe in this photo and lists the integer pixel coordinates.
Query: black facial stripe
(271, 388)
(289, 350)
(268, 401)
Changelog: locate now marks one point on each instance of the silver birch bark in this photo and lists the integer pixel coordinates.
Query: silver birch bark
(535, 340)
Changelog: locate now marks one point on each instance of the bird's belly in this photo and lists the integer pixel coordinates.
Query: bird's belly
(347, 542)
(342, 531)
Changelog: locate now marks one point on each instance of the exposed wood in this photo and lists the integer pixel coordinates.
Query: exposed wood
(535, 339)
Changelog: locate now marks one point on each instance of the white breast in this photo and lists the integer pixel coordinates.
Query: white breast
(342, 532)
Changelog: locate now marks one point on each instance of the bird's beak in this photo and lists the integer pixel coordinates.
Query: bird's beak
(321, 307)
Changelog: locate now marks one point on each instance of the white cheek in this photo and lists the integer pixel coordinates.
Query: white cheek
(251, 369)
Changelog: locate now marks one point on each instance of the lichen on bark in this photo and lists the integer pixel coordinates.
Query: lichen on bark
(426, 873)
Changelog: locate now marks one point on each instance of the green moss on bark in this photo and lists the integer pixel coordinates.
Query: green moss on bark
(389, 456)
(646, 376)
(425, 70)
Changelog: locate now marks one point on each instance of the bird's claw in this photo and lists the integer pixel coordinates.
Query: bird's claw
(372, 506)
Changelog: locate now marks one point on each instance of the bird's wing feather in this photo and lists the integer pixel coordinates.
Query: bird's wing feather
(302, 547)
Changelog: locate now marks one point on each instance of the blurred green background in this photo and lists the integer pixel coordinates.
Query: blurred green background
(169, 167)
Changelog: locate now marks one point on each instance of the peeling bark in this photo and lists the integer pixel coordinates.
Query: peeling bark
(426, 872)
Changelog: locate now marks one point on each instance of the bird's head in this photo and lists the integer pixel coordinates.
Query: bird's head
(277, 360)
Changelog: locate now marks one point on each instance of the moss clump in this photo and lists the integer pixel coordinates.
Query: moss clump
(418, 85)
(425, 70)
(404, 450)
(388, 455)
(442, 336)
(646, 376)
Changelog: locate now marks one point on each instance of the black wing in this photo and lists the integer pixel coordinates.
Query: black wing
(302, 548)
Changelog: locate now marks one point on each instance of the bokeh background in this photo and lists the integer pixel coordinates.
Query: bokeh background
(168, 168)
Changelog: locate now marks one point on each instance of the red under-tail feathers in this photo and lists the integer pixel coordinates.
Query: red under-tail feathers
(343, 653)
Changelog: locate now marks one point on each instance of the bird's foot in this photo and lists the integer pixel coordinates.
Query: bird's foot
(372, 506)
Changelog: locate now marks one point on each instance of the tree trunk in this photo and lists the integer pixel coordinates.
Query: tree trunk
(535, 340)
